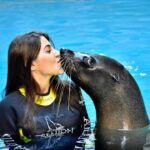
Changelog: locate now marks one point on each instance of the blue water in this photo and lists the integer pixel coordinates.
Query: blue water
(119, 29)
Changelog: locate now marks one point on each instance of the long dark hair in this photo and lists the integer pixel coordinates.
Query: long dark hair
(22, 51)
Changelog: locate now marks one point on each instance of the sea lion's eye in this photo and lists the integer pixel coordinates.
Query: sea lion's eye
(89, 61)
(92, 61)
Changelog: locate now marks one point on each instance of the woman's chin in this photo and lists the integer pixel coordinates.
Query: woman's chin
(61, 71)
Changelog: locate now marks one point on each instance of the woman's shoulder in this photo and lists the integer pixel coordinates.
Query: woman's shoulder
(70, 84)
(73, 91)
(13, 98)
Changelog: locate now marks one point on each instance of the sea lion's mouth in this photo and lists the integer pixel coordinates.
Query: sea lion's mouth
(66, 57)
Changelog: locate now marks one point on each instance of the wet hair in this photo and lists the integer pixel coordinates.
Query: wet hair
(22, 51)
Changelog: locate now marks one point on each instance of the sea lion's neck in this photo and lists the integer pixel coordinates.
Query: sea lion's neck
(114, 110)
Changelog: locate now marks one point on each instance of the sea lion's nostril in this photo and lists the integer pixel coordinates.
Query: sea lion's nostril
(85, 58)
(89, 61)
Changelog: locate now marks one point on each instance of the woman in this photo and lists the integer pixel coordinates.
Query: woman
(39, 110)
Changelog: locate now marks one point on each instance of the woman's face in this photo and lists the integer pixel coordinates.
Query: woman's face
(47, 63)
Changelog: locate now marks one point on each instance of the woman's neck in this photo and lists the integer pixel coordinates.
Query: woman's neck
(44, 87)
(43, 82)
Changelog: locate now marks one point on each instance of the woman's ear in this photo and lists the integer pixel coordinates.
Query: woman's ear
(33, 66)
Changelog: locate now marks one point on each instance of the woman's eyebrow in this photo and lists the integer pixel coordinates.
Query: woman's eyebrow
(48, 46)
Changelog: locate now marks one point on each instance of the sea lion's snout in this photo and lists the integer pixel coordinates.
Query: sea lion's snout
(66, 53)
(84, 58)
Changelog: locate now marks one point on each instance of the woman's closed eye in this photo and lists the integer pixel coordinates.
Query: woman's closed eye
(48, 51)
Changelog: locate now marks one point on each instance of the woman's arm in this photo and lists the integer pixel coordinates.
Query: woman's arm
(8, 123)
(8, 119)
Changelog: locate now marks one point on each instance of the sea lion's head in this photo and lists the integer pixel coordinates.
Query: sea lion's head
(91, 70)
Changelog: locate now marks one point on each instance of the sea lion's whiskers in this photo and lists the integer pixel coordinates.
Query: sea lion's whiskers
(61, 89)
(52, 79)
(60, 99)
(69, 88)
(57, 86)
(69, 92)
(64, 63)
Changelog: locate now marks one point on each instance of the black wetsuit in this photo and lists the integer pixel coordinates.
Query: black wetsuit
(54, 132)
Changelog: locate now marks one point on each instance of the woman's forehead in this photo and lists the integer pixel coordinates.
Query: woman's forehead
(44, 42)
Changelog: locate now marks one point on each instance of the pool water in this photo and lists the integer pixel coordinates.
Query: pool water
(119, 29)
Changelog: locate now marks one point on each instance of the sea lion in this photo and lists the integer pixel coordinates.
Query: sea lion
(121, 116)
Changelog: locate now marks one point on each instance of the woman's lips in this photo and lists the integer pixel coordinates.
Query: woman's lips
(59, 60)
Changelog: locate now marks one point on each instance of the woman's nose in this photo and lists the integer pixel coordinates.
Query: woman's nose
(56, 52)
